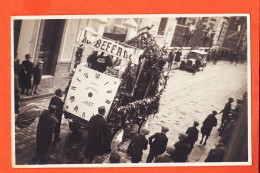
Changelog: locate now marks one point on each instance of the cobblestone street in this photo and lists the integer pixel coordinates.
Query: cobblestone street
(187, 98)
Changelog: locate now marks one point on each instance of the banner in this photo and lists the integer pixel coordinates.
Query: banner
(110, 47)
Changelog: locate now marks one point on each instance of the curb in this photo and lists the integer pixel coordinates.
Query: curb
(36, 97)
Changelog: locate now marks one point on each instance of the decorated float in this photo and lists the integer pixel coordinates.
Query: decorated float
(129, 88)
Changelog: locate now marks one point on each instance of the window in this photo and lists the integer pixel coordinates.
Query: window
(213, 19)
(162, 26)
(115, 33)
(181, 20)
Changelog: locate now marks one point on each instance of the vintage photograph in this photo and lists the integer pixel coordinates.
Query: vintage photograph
(131, 90)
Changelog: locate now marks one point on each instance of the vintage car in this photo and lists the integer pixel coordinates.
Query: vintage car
(194, 61)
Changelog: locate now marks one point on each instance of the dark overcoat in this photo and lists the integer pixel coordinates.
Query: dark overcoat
(136, 147)
(97, 136)
(45, 128)
(208, 124)
(158, 143)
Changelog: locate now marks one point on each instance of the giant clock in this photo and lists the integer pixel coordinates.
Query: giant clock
(90, 89)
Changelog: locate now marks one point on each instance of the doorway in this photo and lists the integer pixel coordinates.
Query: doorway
(49, 44)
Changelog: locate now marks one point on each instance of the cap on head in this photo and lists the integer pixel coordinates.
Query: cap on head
(101, 110)
(214, 112)
(27, 56)
(145, 131)
(195, 123)
(114, 158)
(165, 129)
(58, 92)
(169, 150)
(231, 99)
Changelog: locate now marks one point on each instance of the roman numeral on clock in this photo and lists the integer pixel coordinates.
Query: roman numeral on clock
(72, 98)
(108, 101)
(73, 87)
(109, 91)
(97, 75)
(83, 115)
(76, 108)
(78, 80)
(86, 75)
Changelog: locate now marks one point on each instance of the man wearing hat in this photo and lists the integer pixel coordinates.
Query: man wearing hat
(26, 74)
(192, 133)
(45, 128)
(57, 101)
(208, 124)
(225, 115)
(181, 151)
(137, 145)
(97, 135)
(158, 143)
(37, 75)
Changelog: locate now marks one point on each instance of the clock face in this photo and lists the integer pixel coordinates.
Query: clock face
(88, 91)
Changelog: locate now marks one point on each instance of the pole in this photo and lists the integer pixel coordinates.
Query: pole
(138, 76)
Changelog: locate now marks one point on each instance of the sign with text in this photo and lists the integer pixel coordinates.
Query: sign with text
(110, 47)
(90, 89)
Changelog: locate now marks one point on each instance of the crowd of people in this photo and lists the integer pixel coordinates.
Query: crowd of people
(179, 152)
(226, 55)
(23, 74)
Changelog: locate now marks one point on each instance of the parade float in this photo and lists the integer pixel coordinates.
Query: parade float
(130, 91)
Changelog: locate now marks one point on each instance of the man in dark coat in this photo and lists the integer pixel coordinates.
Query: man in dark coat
(37, 75)
(26, 74)
(225, 116)
(158, 143)
(178, 56)
(181, 151)
(100, 62)
(208, 124)
(45, 127)
(137, 145)
(57, 101)
(97, 135)
(170, 58)
(192, 133)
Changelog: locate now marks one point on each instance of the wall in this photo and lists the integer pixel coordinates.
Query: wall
(27, 39)
(66, 51)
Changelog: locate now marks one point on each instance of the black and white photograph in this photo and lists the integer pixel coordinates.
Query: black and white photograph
(131, 90)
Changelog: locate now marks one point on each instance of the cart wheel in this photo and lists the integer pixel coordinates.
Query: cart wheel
(74, 127)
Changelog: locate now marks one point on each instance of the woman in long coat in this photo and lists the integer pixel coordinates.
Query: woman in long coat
(208, 124)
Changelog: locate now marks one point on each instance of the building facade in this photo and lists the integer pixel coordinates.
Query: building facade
(55, 41)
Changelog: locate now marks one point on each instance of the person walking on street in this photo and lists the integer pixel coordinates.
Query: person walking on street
(45, 128)
(37, 75)
(178, 56)
(208, 124)
(158, 143)
(26, 74)
(137, 145)
(170, 58)
(57, 101)
(181, 151)
(192, 133)
(97, 135)
(225, 116)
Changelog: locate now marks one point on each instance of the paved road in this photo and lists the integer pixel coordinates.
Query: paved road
(187, 98)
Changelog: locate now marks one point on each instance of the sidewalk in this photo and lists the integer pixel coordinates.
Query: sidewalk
(48, 86)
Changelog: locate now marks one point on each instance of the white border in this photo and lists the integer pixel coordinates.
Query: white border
(134, 164)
